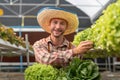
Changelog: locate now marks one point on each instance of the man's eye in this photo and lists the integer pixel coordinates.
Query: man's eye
(55, 22)
(62, 23)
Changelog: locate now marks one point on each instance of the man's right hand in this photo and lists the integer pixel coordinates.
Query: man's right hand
(83, 47)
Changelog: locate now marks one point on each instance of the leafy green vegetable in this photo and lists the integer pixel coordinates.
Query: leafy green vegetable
(40, 72)
(105, 33)
(77, 70)
(82, 70)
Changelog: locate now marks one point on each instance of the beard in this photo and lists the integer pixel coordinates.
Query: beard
(57, 32)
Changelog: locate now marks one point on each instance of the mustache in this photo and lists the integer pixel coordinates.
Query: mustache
(58, 30)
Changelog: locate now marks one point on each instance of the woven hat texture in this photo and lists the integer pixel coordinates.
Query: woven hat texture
(46, 14)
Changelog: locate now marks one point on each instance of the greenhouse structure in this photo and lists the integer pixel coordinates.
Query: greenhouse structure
(99, 21)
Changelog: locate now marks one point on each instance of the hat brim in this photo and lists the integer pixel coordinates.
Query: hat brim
(46, 15)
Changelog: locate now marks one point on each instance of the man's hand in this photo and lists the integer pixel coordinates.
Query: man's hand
(83, 47)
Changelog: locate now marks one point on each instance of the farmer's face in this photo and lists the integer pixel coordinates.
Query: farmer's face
(58, 27)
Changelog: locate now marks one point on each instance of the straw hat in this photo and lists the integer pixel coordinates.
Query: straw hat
(46, 14)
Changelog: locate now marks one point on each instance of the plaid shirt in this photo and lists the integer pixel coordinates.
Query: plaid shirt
(47, 53)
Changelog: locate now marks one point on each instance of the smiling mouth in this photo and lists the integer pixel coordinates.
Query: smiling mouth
(58, 30)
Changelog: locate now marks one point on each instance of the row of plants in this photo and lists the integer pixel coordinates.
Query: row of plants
(105, 33)
(8, 34)
(77, 70)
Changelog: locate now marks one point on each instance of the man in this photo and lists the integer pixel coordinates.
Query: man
(56, 50)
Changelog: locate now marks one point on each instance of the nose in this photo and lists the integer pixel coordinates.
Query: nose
(58, 25)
